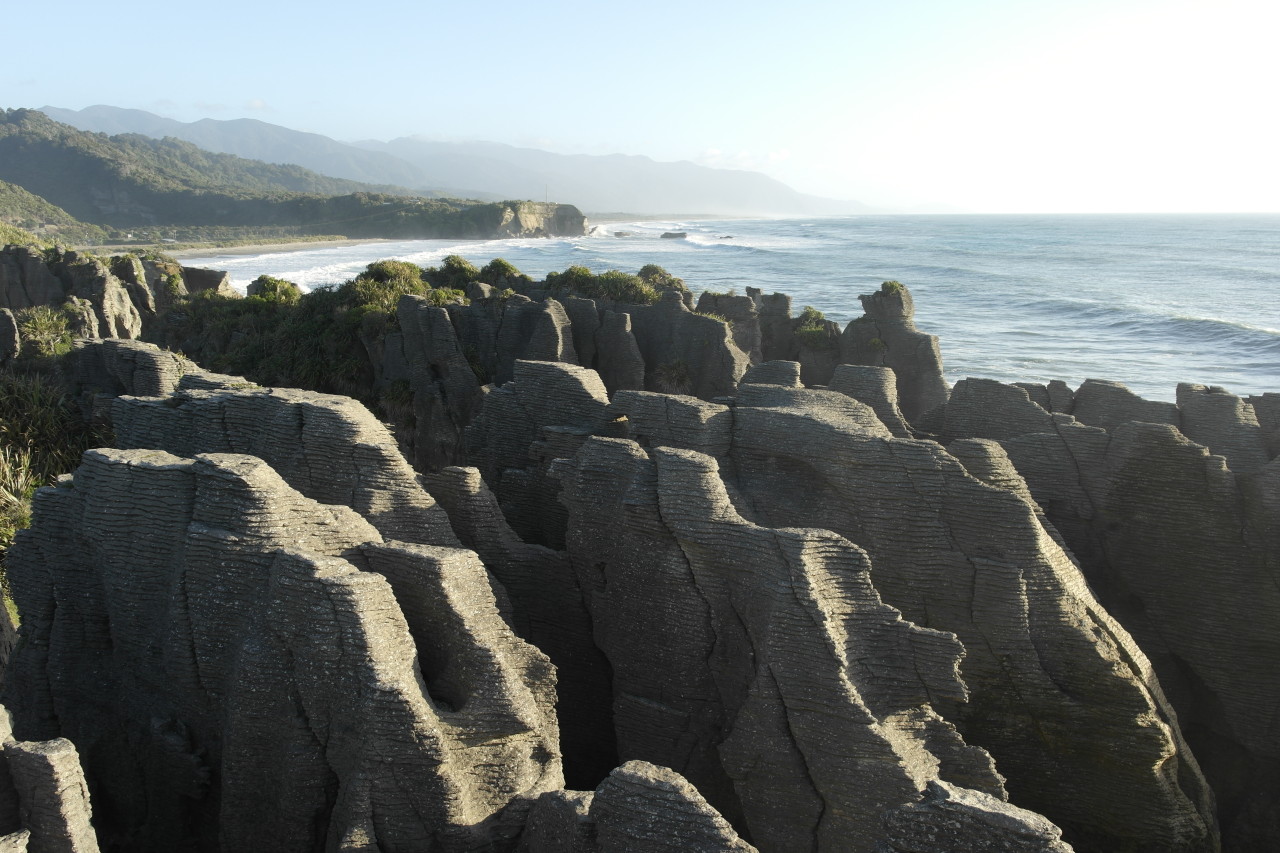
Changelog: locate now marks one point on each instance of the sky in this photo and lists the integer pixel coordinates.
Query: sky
(989, 106)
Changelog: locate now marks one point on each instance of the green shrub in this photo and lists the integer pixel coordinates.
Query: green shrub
(812, 331)
(441, 296)
(390, 270)
(454, 271)
(274, 290)
(45, 331)
(659, 279)
(380, 294)
(42, 436)
(613, 284)
(892, 287)
(499, 270)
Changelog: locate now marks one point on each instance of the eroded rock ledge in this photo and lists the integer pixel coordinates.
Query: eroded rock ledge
(867, 616)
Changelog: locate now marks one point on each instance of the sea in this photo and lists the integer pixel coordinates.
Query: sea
(1146, 300)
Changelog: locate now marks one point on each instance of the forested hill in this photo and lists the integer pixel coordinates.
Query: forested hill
(21, 209)
(130, 182)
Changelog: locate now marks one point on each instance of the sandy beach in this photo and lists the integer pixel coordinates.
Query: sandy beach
(269, 248)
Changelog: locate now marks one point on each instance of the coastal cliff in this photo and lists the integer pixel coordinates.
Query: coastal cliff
(650, 578)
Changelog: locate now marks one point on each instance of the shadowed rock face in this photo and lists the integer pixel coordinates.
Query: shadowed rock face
(232, 681)
(639, 808)
(1171, 537)
(1049, 672)
(774, 677)
(546, 608)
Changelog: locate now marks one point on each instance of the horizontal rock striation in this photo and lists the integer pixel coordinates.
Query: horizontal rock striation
(44, 802)
(1171, 533)
(775, 679)
(329, 448)
(125, 297)
(242, 667)
(638, 808)
(1047, 671)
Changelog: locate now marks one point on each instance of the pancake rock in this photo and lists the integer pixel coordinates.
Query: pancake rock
(44, 802)
(886, 334)
(638, 808)
(329, 448)
(244, 668)
(1171, 535)
(1052, 677)
(773, 677)
(546, 608)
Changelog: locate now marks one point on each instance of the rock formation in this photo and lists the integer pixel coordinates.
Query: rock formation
(794, 619)
(44, 803)
(886, 335)
(241, 664)
(120, 299)
(1170, 535)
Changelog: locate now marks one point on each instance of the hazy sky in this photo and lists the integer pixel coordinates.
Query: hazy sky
(986, 105)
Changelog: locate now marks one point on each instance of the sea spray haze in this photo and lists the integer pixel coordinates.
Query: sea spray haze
(1147, 300)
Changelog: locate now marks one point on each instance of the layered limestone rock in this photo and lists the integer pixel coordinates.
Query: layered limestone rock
(886, 335)
(953, 820)
(1049, 671)
(446, 391)
(1171, 537)
(1266, 408)
(1108, 404)
(545, 413)
(875, 386)
(329, 448)
(777, 340)
(244, 668)
(44, 802)
(773, 677)
(1224, 423)
(113, 368)
(124, 298)
(743, 317)
(950, 550)
(26, 280)
(684, 352)
(638, 808)
(545, 605)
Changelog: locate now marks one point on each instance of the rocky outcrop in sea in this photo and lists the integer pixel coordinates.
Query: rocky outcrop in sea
(657, 580)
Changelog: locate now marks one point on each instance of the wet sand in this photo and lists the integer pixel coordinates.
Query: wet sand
(269, 248)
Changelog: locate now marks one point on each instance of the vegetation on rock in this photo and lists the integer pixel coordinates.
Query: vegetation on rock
(644, 288)
(812, 331)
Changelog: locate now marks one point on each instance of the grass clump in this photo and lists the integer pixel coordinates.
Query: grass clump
(270, 289)
(812, 332)
(892, 287)
(42, 435)
(644, 288)
(45, 331)
(673, 377)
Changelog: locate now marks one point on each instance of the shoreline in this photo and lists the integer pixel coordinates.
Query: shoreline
(271, 248)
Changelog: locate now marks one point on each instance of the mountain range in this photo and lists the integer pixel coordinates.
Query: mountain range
(170, 189)
(481, 170)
